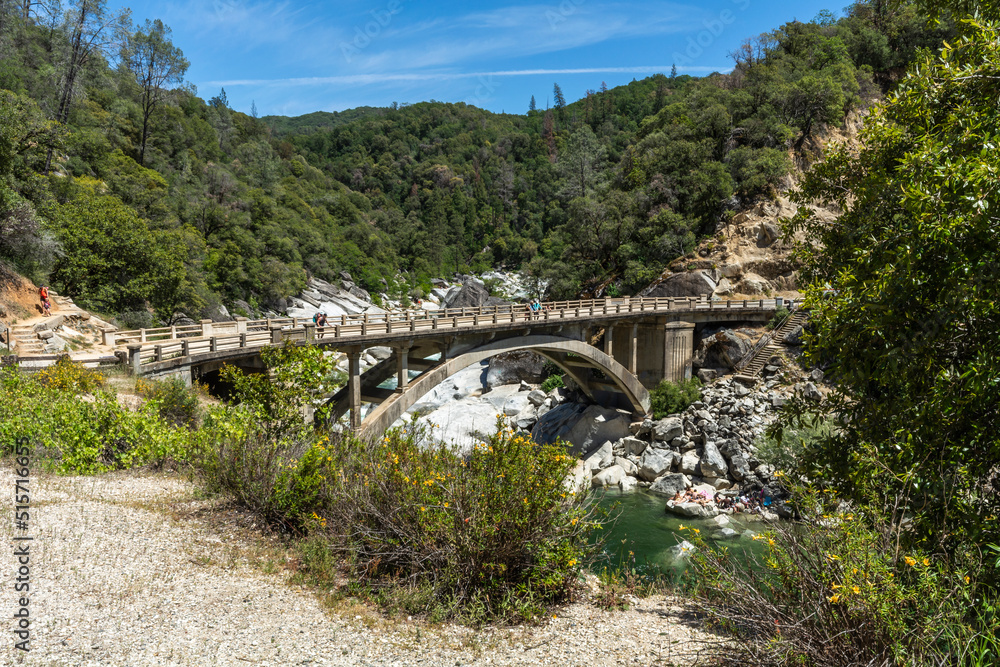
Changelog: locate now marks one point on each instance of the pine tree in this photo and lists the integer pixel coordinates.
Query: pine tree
(557, 93)
(531, 104)
(673, 71)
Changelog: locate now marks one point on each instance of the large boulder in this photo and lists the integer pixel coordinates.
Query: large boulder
(724, 349)
(712, 464)
(600, 458)
(767, 234)
(753, 284)
(578, 479)
(693, 283)
(692, 510)
(609, 477)
(514, 367)
(670, 485)
(630, 468)
(668, 428)
(584, 427)
(795, 336)
(218, 313)
(689, 463)
(739, 468)
(472, 294)
(633, 446)
(655, 462)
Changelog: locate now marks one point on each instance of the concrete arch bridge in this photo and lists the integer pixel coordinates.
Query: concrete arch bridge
(644, 341)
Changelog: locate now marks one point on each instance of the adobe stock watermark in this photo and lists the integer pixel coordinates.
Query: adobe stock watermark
(487, 85)
(225, 8)
(696, 44)
(365, 34)
(561, 14)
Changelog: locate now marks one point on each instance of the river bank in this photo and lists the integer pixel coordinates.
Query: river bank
(139, 568)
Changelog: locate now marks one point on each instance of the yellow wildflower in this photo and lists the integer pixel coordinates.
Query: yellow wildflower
(926, 562)
(683, 527)
(856, 590)
(910, 561)
(835, 598)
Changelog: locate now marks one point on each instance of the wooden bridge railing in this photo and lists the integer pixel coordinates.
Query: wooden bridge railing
(163, 343)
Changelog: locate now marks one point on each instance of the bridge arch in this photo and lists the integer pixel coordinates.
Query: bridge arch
(554, 348)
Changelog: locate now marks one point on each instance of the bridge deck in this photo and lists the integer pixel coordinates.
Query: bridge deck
(151, 347)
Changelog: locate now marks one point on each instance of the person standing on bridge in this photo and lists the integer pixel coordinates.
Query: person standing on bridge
(319, 319)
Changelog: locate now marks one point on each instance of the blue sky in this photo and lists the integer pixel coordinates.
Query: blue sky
(292, 56)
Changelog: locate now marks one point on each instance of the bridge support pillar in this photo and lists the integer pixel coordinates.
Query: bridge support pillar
(354, 386)
(624, 345)
(402, 368)
(678, 349)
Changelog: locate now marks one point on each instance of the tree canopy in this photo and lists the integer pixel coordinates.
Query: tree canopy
(911, 333)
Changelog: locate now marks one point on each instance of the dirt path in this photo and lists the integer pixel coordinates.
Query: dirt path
(134, 569)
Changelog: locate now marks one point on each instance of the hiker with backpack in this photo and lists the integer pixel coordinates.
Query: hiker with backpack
(43, 294)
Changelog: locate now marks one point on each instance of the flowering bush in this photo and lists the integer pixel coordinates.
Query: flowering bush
(839, 591)
(494, 533)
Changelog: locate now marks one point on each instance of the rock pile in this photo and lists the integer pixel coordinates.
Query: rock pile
(708, 447)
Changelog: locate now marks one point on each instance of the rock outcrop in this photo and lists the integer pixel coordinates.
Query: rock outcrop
(472, 294)
(514, 367)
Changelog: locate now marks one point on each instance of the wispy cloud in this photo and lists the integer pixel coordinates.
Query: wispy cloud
(375, 78)
(525, 31)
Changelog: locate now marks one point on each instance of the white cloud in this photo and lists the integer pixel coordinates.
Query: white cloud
(376, 78)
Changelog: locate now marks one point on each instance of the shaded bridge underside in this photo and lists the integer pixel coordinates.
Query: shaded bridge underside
(574, 357)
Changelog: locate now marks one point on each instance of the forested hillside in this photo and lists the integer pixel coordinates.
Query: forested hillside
(124, 189)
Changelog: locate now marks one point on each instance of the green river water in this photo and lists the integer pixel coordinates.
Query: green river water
(645, 529)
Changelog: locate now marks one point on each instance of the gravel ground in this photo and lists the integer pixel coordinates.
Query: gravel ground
(135, 569)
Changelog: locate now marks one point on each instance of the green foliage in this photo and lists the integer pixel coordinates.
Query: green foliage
(779, 315)
(83, 433)
(112, 260)
(175, 402)
(785, 447)
(297, 375)
(553, 381)
(421, 528)
(909, 331)
(491, 534)
(616, 185)
(669, 398)
(838, 590)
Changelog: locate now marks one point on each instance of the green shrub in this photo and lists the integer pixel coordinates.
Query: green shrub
(86, 434)
(492, 534)
(553, 382)
(271, 475)
(779, 315)
(66, 375)
(672, 397)
(838, 590)
(175, 402)
(784, 447)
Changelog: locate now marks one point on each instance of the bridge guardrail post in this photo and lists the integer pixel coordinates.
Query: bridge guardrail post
(206, 328)
(310, 332)
(241, 324)
(276, 334)
(135, 358)
(213, 344)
